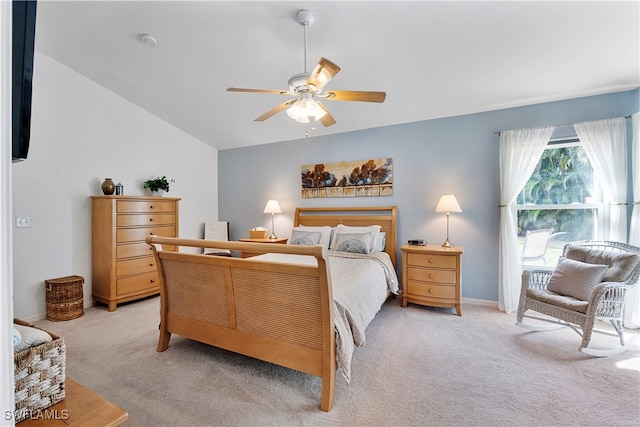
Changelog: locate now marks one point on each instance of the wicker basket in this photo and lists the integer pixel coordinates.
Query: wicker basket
(258, 234)
(39, 374)
(65, 300)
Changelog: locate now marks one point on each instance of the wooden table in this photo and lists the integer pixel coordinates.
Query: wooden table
(81, 407)
(245, 254)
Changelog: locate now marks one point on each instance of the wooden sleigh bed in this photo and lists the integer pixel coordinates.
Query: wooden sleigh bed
(264, 307)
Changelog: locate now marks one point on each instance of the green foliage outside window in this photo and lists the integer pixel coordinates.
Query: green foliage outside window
(563, 176)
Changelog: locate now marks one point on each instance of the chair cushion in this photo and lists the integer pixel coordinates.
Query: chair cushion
(549, 297)
(576, 279)
(621, 264)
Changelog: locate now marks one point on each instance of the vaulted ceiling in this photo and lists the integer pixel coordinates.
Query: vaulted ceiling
(433, 58)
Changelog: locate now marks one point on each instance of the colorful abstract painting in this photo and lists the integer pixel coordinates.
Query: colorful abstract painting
(368, 178)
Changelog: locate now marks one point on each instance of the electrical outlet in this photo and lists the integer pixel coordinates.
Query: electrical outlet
(23, 221)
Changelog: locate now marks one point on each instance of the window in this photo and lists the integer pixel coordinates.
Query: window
(562, 195)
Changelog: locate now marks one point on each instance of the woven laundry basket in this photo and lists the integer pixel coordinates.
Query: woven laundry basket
(65, 300)
(39, 374)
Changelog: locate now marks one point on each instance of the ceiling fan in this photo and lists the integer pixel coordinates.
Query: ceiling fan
(308, 87)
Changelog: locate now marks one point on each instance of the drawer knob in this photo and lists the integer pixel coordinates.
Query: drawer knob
(152, 280)
(152, 207)
(152, 234)
(151, 264)
(430, 290)
(430, 261)
(430, 276)
(151, 219)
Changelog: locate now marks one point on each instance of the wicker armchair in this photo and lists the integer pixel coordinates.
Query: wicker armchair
(606, 300)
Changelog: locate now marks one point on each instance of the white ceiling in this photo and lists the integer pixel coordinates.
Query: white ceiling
(434, 59)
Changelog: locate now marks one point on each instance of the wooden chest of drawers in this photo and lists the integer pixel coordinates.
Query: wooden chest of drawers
(123, 266)
(431, 276)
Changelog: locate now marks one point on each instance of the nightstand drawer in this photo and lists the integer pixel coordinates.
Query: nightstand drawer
(431, 291)
(432, 275)
(432, 261)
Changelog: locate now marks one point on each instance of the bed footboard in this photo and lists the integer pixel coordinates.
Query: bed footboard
(276, 312)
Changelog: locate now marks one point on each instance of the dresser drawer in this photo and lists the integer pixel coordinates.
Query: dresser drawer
(140, 283)
(431, 291)
(145, 219)
(428, 260)
(127, 206)
(133, 235)
(133, 250)
(136, 266)
(431, 275)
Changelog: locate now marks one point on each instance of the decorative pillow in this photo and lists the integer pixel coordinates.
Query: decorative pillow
(325, 230)
(621, 264)
(352, 242)
(300, 237)
(30, 337)
(621, 267)
(576, 279)
(342, 229)
(382, 241)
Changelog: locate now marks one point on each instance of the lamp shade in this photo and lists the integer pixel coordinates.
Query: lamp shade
(448, 204)
(272, 207)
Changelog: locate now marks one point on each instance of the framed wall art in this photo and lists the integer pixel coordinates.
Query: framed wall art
(364, 178)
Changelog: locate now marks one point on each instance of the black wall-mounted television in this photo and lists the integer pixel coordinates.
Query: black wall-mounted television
(24, 36)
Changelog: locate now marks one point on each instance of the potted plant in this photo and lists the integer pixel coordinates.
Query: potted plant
(157, 186)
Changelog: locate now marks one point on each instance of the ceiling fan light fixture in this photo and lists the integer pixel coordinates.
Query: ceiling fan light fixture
(304, 109)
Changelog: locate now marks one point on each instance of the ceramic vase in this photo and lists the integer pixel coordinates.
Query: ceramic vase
(108, 187)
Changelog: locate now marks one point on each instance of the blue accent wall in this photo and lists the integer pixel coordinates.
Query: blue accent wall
(456, 155)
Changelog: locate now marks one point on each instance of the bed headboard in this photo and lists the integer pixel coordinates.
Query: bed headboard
(384, 216)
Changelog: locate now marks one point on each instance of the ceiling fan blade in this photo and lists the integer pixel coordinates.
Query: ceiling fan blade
(355, 95)
(274, 111)
(327, 119)
(324, 71)
(241, 89)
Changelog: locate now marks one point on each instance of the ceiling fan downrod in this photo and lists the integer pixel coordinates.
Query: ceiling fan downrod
(305, 18)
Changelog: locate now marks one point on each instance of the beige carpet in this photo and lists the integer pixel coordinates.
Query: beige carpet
(420, 366)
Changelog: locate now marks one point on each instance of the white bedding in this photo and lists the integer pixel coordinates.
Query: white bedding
(360, 284)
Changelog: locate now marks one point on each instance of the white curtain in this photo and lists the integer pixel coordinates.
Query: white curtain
(605, 143)
(632, 308)
(520, 151)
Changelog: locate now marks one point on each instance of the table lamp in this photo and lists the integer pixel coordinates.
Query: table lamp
(273, 208)
(448, 204)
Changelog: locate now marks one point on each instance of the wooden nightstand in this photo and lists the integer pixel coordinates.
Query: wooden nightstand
(245, 254)
(431, 276)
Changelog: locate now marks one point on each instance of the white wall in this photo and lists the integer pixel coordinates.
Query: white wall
(80, 134)
(6, 290)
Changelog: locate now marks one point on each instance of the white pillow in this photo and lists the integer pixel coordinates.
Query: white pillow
(576, 279)
(30, 337)
(345, 229)
(353, 242)
(325, 230)
(381, 243)
(302, 237)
